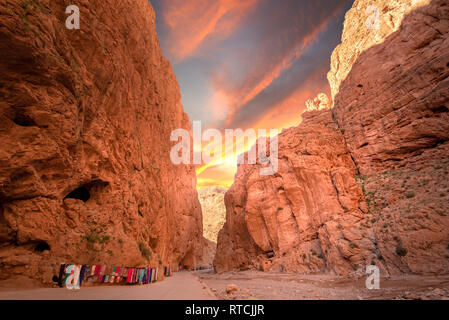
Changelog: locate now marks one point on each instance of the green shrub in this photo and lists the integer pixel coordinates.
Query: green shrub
(401, 251)
(353, 245)
(144, 250)
(410, 195)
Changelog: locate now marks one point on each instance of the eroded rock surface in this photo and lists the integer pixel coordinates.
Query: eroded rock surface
(366, 182)
(394, 111)
(86, 117)
(320, 102)
(214, 211)
(366, 24)
(306, 217)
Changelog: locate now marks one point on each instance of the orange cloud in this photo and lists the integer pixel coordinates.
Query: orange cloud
(285, 114)
(192, 22)
(266, 75)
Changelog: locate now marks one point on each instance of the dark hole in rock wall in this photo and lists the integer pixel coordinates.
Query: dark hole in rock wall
(442, 109)
(41, 246)
(88, 190)
(81, 193)
(23, 120)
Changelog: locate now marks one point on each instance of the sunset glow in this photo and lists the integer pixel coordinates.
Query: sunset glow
(250, 64)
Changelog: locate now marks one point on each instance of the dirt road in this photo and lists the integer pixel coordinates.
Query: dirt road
(181, 286)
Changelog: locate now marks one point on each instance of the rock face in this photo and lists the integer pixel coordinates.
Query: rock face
(208, 255)
(86, 117)
(366, 24)
(306, 217)
(395, 119)
(321, 102)
(365, 182)
(214, 211)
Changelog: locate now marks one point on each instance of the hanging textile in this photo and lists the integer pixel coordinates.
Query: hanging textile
(61, 275)
(82, 274)
(68, 274)
(142, 275)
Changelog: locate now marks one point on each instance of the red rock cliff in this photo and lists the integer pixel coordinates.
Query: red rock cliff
(366, 182)
(86, 117)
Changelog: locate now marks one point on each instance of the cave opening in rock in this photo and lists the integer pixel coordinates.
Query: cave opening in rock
(23, 120)
(442, 109)
(42, 246)
(81, 193)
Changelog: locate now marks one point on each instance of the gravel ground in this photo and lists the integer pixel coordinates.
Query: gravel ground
(279, 286)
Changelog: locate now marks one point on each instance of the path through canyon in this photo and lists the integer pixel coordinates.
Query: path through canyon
(181, 286)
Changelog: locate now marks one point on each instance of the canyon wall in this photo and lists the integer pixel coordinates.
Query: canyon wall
(365, 182)
(86, 117)
(214, 211)
(304, 218)
(366, 24)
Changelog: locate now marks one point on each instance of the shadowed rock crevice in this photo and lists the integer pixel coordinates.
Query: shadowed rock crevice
(81, 193)
(41, 246)
(88, 190)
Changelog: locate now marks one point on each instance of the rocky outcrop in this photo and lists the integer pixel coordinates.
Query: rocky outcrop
(208, 255)
(366, 182)
(366, 24)
(214, 211)
(395, 119)
(308, 217)
(320, 102)
(86, 117)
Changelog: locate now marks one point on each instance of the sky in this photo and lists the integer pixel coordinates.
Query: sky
(247, 64)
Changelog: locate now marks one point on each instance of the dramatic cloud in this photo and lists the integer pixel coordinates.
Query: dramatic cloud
(281, 55)
(192, 22)
(248, 63)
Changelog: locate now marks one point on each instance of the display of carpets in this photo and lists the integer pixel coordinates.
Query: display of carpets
(73, 276)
